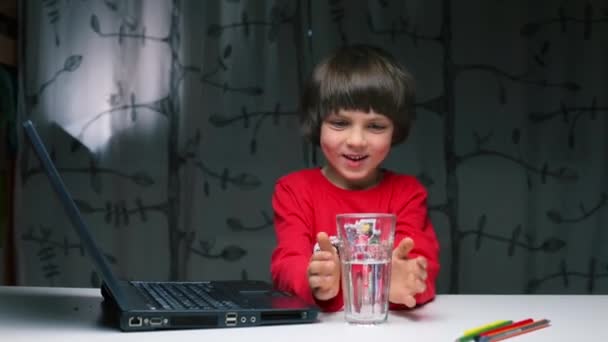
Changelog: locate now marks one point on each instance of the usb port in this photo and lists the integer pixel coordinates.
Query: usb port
(231, 319)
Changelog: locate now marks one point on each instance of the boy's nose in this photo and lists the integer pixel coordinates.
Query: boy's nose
(356, 138)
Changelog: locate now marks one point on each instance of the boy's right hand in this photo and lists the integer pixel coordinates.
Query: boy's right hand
(324, 270)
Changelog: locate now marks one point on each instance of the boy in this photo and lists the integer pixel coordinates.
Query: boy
(357, 104)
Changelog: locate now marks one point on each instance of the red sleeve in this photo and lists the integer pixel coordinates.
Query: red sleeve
(413, 221)
(295, 242)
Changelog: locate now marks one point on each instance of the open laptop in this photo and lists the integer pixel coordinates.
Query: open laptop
(143, 305)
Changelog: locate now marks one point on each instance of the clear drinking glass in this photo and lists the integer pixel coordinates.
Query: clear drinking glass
(366, 244)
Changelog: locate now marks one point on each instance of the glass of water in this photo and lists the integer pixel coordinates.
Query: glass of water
(366, 244)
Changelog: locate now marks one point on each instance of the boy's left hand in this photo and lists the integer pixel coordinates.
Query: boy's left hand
(408, 276)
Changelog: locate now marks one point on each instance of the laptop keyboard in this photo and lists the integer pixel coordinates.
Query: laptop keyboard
(186, 296)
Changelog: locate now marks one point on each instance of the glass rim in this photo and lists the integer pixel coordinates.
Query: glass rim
(366, 215)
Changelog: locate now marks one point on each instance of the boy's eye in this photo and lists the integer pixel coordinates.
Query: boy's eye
(338, 123)
(376, 127)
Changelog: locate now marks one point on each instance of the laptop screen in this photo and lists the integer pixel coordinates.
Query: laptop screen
(74, 213)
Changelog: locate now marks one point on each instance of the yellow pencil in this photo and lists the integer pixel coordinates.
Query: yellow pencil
(475, 331)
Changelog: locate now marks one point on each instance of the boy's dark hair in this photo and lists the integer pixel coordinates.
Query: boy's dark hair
(358, 77)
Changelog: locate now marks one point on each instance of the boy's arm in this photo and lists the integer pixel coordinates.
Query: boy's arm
(413, 221)
(295, 239)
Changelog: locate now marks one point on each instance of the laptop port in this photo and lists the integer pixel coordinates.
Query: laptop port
(155, 321)
(135, 321)
(231, 319)
(279, 316)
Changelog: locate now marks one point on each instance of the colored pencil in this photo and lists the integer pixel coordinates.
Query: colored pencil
(471, 334)
(486, 327)
(484, 335)
(519, 331)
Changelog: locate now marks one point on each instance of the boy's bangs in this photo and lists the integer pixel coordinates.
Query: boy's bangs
(358, 93)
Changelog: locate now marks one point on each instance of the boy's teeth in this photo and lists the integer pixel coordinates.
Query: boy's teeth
(355, 157)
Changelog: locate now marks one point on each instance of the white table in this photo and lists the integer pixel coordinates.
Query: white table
(70, 314)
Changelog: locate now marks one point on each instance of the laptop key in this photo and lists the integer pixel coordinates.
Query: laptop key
(151, 294)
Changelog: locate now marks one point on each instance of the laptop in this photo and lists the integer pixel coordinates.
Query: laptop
(156, 305)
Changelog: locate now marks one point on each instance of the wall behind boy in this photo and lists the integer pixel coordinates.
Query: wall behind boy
(171, 120)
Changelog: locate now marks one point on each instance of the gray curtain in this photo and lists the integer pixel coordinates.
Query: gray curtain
(171, 120)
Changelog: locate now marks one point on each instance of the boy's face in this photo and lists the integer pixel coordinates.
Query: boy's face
(354, 144)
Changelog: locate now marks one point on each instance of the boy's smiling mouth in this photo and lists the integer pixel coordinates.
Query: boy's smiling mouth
(355, 157)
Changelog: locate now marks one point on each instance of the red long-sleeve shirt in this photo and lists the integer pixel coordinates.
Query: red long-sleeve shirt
(306, 203)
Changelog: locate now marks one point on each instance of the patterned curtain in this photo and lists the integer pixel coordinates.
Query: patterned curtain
(171, 120)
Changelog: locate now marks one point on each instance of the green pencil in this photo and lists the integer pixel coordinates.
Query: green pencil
(469, 335)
